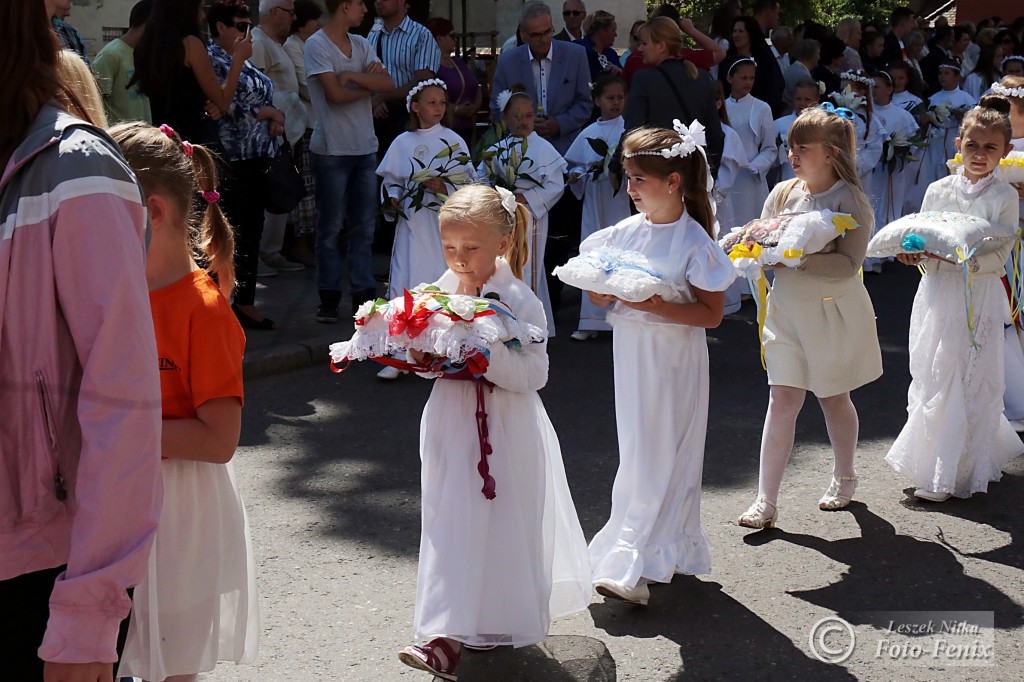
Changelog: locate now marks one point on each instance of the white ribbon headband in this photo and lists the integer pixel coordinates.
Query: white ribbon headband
(419, 86)
(690, 138)
(508, 202)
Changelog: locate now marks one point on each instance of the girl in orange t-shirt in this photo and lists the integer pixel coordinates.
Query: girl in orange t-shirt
(197, 604)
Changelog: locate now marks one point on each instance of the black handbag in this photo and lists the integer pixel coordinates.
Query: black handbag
(283, 187)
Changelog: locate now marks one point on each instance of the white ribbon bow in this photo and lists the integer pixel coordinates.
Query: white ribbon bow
(508, 201)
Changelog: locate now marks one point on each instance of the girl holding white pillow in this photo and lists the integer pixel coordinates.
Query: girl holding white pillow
(956, 439)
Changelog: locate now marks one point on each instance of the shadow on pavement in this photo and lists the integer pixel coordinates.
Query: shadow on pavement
(1001, 508)
(896, 572)
(560, 658)
(717, 635)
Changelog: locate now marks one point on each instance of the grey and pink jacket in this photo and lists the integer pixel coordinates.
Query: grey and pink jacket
(79, 382)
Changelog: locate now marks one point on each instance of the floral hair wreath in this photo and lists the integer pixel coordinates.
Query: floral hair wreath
(857, 77)
(1000, 89)
(1010, 58)
(503, 99)
(419, 86)
(950, 64)
(690, 138)
(732, 67)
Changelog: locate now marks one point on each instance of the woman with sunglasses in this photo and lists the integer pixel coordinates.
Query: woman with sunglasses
(249, 130)
(173, 69)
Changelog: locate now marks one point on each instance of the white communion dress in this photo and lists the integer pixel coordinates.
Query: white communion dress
(661, 411)
(497, 571)
(602, 205)
(752, 120)
(956, 439)
(416, 256)
(546, 167)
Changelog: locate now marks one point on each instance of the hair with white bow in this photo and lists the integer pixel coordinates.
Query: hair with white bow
(660, 152)
(495, 208)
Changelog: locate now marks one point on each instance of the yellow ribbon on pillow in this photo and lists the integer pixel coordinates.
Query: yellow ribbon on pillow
(744, 251)
(844, 222)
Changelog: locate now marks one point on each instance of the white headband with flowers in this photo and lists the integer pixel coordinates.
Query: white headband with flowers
(1010, 58)
(419, 86)
(1007, 92)
(857, 78)
(502, 100)
(690, 138)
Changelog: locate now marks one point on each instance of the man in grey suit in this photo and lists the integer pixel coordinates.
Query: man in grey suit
(556, 76)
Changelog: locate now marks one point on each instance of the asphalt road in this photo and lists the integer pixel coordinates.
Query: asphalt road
(329, 469)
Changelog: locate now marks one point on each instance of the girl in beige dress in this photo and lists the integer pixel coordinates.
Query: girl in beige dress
(819, 332)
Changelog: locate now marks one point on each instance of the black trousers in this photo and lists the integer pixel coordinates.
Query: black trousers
(242, 201)
(24, 612)
(563, 239)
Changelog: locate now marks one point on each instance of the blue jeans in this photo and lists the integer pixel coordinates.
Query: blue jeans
(346, 194)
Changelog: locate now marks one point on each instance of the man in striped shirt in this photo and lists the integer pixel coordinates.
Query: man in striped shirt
(410, 54)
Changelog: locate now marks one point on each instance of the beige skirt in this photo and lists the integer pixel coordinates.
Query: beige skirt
(820, 335)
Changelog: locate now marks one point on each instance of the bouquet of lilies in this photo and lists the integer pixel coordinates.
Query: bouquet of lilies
(428, 320)
(455, 169)
(848, 99)
(605, 151)
(898, 151)
(508, 166)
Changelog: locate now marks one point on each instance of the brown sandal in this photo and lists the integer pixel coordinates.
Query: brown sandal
(422, 657)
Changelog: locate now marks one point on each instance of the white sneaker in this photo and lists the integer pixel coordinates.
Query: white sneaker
(583, 335)
(263, 270)
(634, 595)
(282, 264)
(928, 495)
(389, 373)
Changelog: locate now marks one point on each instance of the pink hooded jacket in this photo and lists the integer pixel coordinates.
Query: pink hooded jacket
(79, 382)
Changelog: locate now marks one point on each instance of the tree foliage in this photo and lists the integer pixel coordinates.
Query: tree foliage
(795, 12)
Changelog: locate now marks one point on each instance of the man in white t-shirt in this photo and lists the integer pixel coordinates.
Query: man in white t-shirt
(268, 56)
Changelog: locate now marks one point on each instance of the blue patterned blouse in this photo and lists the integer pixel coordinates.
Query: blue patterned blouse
(241, 134)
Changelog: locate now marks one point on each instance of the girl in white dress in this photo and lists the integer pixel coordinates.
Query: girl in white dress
(492, 571)
(956, 439)
(655, 530)
(589, 180)
(734, 161)
(197, 603)
(870, 137)
(906, 83)
(942, 134)
(752, 120)
(525, 153)
(898, 123)
(805, 94)
(413, 163)
(819, 329)
(428, 143)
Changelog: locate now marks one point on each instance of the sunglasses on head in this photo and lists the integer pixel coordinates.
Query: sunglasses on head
(573, 13)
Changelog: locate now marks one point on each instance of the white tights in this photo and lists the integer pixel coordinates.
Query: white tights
(784, 405)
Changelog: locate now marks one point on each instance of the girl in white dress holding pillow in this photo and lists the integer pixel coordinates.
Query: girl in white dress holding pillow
(956, 439)
(495, 567)
(602, 205)
(655, 530)
(508, 162)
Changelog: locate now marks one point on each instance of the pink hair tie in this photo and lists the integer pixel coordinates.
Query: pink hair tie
(212, 196)
(167, 130)
(187, 147)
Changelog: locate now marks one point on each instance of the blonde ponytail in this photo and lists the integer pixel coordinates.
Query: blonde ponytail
(215, 239)
(519, 249)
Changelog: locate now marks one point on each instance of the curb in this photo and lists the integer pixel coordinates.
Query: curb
(288, 357)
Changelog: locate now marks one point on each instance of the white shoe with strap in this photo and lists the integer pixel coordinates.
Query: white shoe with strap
(833, 498)
(757, 515)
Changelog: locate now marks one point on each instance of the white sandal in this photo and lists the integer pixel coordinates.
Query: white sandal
(832, 500)
(756, 515)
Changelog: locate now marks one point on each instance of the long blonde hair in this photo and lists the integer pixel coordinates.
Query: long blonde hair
(166, 165)
(75, 76)
(665, 31)
(480, 205)
(837, 135)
